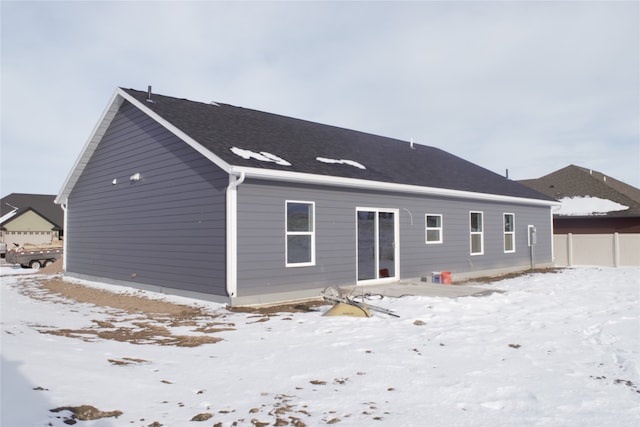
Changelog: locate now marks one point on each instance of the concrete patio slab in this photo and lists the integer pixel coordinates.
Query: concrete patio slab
(428, 289)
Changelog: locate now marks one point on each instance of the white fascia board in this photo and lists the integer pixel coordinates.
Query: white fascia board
(177, 132)
(103, 124)
(306, 178)
(7, 216)
(89, 147)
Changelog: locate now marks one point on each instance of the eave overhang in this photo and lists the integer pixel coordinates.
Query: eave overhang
(303, 178)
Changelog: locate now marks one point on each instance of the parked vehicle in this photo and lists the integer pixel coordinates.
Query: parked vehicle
(34, 256)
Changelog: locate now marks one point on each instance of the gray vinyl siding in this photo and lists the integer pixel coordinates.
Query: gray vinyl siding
(168, 229)
(261, 235)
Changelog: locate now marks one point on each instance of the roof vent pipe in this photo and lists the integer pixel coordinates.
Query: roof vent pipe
(149, 94)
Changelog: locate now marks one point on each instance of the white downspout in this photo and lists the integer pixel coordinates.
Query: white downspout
(64, 240)
(232, 233)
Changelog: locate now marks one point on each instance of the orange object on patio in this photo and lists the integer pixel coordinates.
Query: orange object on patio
(445, 277)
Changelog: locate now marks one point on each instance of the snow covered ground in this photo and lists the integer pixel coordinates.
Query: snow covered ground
(555, 349)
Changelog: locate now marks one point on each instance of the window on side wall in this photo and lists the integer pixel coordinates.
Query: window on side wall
(509, 233)
(433, 228)
(300, 234)
(476, 228)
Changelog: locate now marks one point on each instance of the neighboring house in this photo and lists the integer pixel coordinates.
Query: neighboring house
(598, 222)
(30, 218)
(240, 206)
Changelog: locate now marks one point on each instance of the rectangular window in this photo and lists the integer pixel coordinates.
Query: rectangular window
(476, 228)
(433, 228)
(509, 233)
(300, 234)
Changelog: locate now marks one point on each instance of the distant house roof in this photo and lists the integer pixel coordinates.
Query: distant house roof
(266, 145)
(16, 204)
(574, 182)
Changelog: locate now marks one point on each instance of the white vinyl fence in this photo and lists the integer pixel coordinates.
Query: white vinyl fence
(608, 250)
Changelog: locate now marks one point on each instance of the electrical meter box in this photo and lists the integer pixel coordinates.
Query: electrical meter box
(532, 235)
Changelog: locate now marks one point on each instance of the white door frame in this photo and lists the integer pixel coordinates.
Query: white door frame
(396, 246)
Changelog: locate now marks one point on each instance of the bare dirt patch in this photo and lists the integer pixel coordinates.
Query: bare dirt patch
(140, 320)
(491, 279)
(126, 302)
(273, 310)
(55, 268)
(127, 361)
(85, 413)
(135, 319)
(141, 333)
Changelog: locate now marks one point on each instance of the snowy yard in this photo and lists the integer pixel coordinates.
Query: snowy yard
(555, 349)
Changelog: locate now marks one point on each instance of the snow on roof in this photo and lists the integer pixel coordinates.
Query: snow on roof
(341, 162)
(587, 206)
(263, 156)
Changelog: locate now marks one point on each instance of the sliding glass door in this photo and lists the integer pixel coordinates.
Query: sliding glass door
(377, 231)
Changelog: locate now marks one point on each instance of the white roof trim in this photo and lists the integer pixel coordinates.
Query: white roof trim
(8, 215)
(299, 177)
(89, 147)
(177, 132)
(103, 124)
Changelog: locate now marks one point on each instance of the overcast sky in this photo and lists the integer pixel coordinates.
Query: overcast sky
(526, 86)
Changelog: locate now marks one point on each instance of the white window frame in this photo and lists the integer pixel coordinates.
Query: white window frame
(311, 233)
(427, 229)
(396, 246)
(511, 233)
(476, 233)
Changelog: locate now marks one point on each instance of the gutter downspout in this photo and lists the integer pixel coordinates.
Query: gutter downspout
(64, 240)
(232, 233)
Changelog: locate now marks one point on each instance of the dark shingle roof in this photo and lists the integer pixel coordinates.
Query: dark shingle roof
(576, 181)
(42, 204)
(220, 127)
